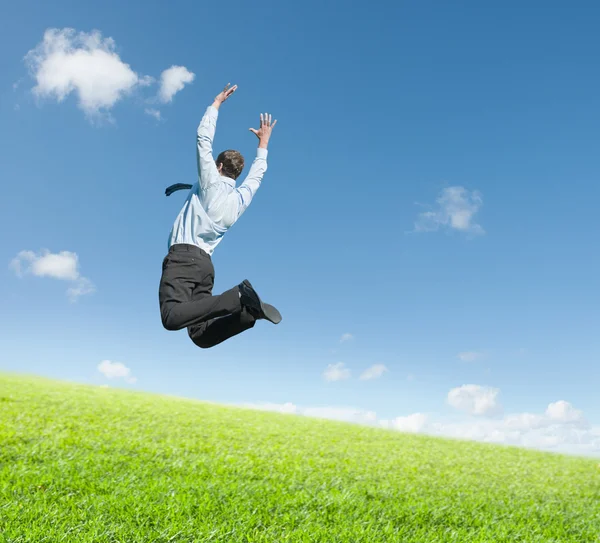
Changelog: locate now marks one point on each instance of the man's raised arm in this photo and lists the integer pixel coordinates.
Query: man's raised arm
(207, 169)
(239, 199)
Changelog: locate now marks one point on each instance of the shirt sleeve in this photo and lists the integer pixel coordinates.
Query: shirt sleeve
(239, 199)
(207, 169)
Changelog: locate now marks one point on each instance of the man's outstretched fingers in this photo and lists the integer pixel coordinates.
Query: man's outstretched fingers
(229, 92)
(266, 126)
(224, 94)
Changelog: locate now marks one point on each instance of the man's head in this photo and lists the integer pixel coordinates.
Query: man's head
(230, 163)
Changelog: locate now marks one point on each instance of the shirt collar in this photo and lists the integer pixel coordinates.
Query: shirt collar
(228, 180)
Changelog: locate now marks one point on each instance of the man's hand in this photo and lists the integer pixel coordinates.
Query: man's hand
(264, 132)
(223, 95)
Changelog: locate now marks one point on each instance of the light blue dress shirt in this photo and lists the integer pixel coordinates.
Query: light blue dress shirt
(214, 203)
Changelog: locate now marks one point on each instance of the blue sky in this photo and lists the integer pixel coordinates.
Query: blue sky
(432, 190)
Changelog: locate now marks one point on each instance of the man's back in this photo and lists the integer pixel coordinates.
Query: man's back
(214, 203)
(195, 226)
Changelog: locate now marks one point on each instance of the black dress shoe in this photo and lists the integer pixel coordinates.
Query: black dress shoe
(255, 306)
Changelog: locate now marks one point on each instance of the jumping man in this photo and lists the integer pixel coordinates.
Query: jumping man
(213, 205)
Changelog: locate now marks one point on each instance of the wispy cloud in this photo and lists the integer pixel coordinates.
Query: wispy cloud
(63, 266)
(374, 372)
(470, 356)
(341, 413)
(346, 337)
(116, 370)
(81, 287)
(455, 209)
(153, 113)
(337, 372)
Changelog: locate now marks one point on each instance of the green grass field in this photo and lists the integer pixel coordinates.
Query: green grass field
(89, 464)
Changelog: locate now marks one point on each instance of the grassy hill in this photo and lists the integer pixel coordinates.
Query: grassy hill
(89, 464)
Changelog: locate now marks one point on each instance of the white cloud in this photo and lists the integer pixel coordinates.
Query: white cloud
(475, 399)
(346, 337)
(561, 428)
(336, 372)
(412, 423)
(63, 266)
(562, 411)
(470, 356)
(551, 431)
(116, 370)
(85, 64)
(456, 208)
(172, 81)
(374, 372)
(153, 113)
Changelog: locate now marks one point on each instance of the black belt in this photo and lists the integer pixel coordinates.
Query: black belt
(186, 247)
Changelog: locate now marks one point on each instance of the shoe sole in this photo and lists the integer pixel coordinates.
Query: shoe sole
(269, 312)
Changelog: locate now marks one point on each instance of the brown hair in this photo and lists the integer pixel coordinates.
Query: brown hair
(233, 163)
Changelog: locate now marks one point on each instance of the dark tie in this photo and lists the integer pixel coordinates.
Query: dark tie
(177, 186)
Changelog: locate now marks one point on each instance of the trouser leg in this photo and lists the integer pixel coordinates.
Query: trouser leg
(185, 291)
(211, 333)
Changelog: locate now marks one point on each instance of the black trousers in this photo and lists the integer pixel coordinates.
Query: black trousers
(186, 299)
